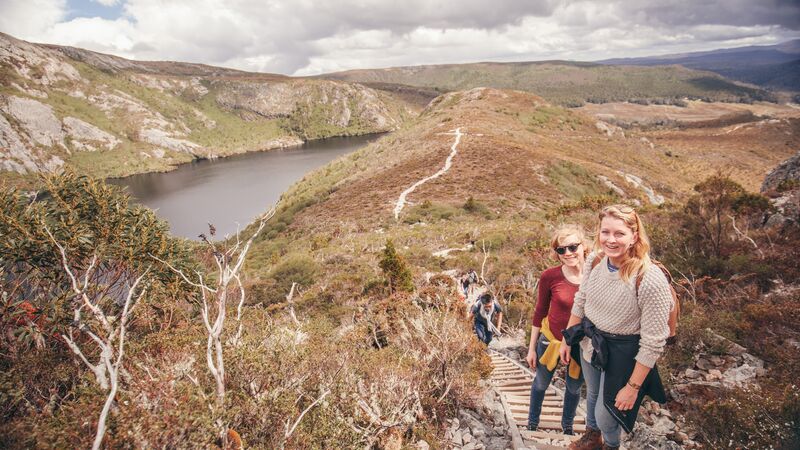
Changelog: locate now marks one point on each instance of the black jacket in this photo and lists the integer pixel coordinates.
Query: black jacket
(615, 355)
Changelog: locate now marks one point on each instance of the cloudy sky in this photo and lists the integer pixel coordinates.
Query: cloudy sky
(307, 37)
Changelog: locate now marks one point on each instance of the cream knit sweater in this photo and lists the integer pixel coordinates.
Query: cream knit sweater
(612, 305)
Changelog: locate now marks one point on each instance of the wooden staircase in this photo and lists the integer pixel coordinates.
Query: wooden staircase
(513, 381)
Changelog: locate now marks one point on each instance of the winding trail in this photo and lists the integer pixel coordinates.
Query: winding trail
(401, 201)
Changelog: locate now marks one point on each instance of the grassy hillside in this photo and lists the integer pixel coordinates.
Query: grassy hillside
(567, 83)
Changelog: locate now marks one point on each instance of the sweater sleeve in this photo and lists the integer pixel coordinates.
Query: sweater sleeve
(580, 296)
(542, 299)
(655, 303)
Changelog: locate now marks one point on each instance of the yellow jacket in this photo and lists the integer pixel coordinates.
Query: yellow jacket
(550, 357)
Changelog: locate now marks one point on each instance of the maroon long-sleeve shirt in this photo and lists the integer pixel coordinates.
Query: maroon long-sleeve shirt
(554, 301)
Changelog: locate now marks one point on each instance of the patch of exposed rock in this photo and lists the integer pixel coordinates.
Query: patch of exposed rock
(281, 142)
(36, 119)
(85, 135)
(609, 184)
(485, 429)
(161, 138)
(337, 104)
(638, 183)
(782, 184)
(191, 87)
(35, 63)
(608, 129)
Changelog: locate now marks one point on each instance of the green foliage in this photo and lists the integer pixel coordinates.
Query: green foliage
(473, 206)
(573, 180)
(788, 184)
(711, 213)
(395, 270)
(430, 212)
(584, 203)
(750, 418)
(89, 219)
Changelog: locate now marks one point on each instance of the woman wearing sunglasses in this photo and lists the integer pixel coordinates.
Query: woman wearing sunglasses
(620, 323)
(557, 288)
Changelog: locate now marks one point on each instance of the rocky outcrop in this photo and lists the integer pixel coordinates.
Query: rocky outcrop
(85, 136)
(782, 184)
(161, 138)
(36, 119)
(337, 104)
(638, 183)
(475, 431)
(35, 63)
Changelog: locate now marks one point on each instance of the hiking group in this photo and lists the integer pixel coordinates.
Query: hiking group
(606, 313)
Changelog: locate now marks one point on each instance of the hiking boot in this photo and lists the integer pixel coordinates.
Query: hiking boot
(591, 440)
(532, 427)
(568, 430)
(608, 447)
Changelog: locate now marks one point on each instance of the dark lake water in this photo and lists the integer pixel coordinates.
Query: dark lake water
(231, 190)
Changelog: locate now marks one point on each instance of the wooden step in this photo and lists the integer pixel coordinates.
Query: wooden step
(549, 417)
(555, 426)
(534, 435)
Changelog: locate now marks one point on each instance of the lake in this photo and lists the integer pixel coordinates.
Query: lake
(233, 190)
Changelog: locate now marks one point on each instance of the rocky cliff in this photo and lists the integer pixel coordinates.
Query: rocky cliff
(108, 116)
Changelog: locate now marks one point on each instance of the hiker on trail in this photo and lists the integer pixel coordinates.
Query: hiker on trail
(483, 311)
(618, 327)
(557, 288)
(468, 282)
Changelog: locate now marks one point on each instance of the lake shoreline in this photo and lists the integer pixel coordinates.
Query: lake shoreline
(178, 165)
(230, 192)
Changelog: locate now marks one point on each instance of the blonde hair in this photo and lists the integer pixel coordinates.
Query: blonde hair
(565, 230)
(637, 257)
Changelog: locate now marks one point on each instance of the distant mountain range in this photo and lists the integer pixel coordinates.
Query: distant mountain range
(772, 66)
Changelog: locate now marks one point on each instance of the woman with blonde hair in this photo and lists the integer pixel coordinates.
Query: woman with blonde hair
(557, 288)
(619, 324)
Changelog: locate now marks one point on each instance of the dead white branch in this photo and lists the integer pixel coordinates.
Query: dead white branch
(743, 235)
(290, 430)
(485, 258)
(104, 332)
(229, 264)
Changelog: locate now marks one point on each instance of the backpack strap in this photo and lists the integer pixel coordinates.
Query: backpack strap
(661, 266)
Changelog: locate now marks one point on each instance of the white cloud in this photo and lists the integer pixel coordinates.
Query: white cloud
(28, 19)
(306, 37)
(107, 2)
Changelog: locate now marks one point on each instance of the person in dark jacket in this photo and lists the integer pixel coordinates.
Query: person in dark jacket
(483, 313)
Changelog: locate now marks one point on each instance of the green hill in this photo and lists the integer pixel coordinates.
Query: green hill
(566, 83)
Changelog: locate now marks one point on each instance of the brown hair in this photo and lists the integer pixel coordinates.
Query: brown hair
(637, 257)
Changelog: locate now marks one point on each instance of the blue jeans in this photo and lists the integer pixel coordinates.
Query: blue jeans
(597, 416)
(572, 395)
(483, 334)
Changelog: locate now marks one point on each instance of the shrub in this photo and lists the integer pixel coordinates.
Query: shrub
(395, 270)
(430, 212)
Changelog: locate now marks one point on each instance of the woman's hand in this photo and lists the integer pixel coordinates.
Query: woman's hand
(563, 353)
(626, 397)
(531, 358)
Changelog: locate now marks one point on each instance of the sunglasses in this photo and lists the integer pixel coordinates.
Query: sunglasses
(572, 248)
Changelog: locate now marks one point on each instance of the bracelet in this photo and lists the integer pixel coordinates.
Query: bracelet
(634, 385)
